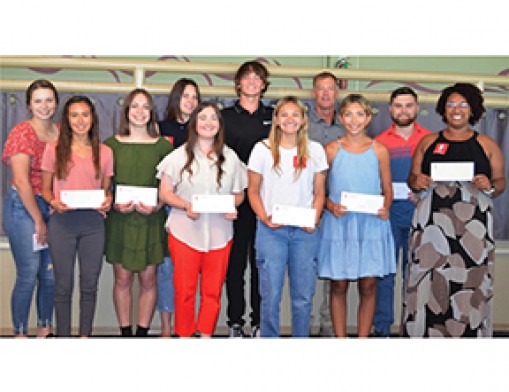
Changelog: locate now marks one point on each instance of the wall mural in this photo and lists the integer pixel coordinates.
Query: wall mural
(209, 78)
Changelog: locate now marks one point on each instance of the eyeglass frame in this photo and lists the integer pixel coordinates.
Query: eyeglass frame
(462, 105)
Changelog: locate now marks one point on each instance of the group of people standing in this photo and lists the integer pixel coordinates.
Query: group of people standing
(291, 156)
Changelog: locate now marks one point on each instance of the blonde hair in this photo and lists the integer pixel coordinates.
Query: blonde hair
(356, 98)
(302, 136)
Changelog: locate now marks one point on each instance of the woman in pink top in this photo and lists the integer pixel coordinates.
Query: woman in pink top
(25, 212)
(78, 162)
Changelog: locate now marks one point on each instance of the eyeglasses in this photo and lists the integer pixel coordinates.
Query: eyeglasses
(457, 104)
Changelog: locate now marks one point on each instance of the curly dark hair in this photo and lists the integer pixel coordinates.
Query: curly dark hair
(471, 93)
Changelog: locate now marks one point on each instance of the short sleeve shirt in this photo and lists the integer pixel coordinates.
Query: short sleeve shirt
(283, 186)
(401, 152)
(242, 130)
(320, 131)
(23, 140)
(209, 231)
(81, 174)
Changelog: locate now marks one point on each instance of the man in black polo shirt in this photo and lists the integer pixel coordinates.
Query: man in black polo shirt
(246, 122)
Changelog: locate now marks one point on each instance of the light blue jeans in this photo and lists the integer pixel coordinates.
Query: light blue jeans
(32, 268)
(276, 250)
(165, 287)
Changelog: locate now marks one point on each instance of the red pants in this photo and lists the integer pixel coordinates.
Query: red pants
(189, 263)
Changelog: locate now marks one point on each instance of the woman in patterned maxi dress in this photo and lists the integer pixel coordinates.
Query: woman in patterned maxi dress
(449, 282)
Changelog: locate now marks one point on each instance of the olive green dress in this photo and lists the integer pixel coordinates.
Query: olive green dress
(136, 240)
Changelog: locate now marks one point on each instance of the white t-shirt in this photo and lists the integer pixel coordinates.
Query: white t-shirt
(282, 187)
(209, 231)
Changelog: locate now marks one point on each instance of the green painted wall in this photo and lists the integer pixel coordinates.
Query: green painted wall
(492, 65)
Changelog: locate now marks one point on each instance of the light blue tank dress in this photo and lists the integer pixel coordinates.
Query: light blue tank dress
(356, 245)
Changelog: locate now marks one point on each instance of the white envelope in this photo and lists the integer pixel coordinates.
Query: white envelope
(83, 199)
(213, 203)
(400, 190)
(293, 216)
(360, 202)
(37, 246)
(126, 193)
(452, 171)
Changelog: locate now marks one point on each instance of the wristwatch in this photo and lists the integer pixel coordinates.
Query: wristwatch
(490, 192)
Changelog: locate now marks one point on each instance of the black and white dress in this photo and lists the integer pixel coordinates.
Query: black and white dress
(449, 281)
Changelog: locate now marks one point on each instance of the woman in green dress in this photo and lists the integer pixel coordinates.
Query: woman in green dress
(136, 239)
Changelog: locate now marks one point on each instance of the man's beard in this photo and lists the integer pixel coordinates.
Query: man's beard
(405, 122)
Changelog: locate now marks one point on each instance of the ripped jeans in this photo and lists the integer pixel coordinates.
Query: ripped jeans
(33, 269)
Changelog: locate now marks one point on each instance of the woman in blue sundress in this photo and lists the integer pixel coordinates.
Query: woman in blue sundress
(356, 246)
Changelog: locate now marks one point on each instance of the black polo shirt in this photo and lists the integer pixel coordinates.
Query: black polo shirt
(243, 129)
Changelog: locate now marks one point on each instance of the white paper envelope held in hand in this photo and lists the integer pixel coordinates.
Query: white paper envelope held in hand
(36, 245)
(87, 199)
(293, 216)
(213, 203)
(137, 194)
(400, 190)
(452, 171)
(360, 202)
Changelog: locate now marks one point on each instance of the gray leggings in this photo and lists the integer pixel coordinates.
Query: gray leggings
(78, 232)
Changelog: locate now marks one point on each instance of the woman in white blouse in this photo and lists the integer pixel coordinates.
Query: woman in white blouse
(200, 243)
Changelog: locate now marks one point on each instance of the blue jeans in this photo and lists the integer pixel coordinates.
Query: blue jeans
(165, 287)
(384, 310)
(276, 250)
(32, 268)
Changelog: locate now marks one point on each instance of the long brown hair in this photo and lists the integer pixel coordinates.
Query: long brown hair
(302, 136)
(192, 139)
(63, 150)
(173, 111)
(152, 129)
